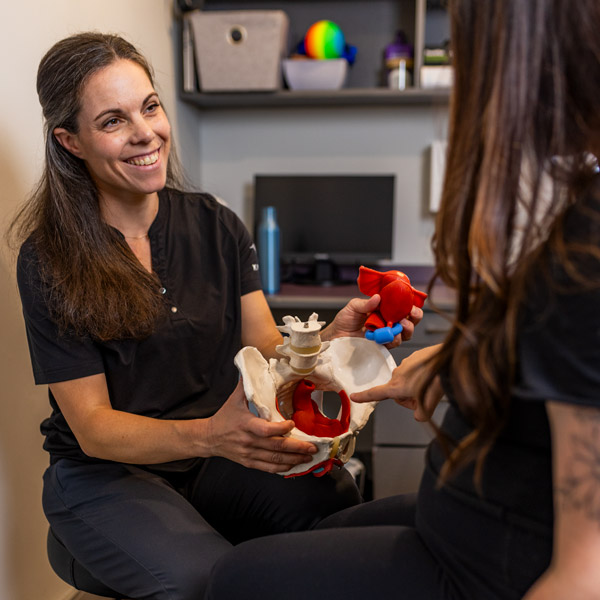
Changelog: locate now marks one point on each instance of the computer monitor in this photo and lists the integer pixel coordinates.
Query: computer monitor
(340, 220)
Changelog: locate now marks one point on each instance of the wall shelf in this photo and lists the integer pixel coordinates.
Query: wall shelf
(339, 98)
(368, 24)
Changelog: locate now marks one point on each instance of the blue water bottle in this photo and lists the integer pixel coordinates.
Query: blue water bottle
(268, 250)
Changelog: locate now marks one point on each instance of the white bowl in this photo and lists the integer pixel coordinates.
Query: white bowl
(315, 74)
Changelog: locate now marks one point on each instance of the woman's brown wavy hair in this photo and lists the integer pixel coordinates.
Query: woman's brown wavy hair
(94, 283)
(526, 91)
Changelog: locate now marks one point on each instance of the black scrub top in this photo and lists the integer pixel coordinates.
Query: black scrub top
(205, 261)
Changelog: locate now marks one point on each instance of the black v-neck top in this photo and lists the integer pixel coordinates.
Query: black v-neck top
(509, 520)
(205, 260)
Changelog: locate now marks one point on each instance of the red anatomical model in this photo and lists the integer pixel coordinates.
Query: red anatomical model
(308, 418)
(397, 296)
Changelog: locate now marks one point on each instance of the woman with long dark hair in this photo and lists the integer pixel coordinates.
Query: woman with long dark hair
(509, 503)
(136, 297)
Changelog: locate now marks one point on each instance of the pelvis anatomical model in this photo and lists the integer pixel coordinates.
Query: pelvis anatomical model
(292, 388)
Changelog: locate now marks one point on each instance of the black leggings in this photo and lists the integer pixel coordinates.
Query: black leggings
(448, 545)
(155, 536)
(373, 552)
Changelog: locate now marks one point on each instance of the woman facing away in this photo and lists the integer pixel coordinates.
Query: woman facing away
(136, 298)
(509, 503)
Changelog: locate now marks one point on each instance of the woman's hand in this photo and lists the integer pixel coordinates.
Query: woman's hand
(350, 320)
(404, 383)
(235, 433)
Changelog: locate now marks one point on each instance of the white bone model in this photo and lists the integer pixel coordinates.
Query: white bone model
(344, 365)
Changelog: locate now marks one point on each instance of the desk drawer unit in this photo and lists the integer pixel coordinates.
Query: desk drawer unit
(399, 442)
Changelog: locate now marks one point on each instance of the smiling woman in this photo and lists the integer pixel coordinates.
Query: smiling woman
(124, 138)
(96, 91)
(136, 297)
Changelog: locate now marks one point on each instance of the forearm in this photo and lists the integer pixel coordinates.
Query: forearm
(574, 570)
(268, 349)
(109, 434)
(129, 438)
(258, 326)
(420, 357)
(233, 432)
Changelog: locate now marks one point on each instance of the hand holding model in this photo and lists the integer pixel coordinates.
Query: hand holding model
(237, 434)
(397, 298)
(404, 385)
(352, 320)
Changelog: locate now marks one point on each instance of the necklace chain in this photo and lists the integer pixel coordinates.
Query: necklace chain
(139, 237)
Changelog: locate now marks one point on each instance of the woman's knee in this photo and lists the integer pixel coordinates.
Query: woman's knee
(321, 497)
(343, 493)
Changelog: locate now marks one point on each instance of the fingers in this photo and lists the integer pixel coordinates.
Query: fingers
(416, 314)
(365, 305)
(405, 335)
(276, 454)
(408, 328)
(263, 428)
(254, 442)
(254, 448)
(272, 434)
(275, 462)
(374, 394)
(271, 466)
(410, 322)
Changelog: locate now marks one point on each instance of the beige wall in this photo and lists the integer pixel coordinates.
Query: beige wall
(29, 28)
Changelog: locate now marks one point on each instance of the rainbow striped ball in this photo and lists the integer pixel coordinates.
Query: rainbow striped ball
(324, 39)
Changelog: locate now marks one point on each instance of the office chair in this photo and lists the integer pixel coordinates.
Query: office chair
(69, 570)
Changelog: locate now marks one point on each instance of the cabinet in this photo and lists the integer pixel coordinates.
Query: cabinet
(367, 24)
(399, 442)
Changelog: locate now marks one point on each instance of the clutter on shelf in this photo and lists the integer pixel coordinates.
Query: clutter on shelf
(321, 59)
(399, 62)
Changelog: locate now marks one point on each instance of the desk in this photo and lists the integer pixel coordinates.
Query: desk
(392, 444)
(293, 295)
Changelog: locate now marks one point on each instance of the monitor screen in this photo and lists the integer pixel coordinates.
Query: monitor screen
(347, 219)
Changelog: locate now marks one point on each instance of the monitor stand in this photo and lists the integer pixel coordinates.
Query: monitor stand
(326, 272)
(321, 271)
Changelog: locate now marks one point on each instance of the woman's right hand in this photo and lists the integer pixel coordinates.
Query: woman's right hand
(403, 386)
(236, 434)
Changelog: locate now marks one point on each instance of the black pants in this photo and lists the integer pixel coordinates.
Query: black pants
(371, 551)
(441, 546)
(155, 536)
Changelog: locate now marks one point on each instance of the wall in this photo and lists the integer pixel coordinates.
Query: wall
(235, 145)
(29, 29)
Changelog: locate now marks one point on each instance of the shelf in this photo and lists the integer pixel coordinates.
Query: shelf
(339, 98)
(370, 25)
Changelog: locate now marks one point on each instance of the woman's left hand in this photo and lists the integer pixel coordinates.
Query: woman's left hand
(404, 385)
(350, 321)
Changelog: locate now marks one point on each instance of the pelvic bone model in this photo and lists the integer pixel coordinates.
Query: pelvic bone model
(292, 388)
